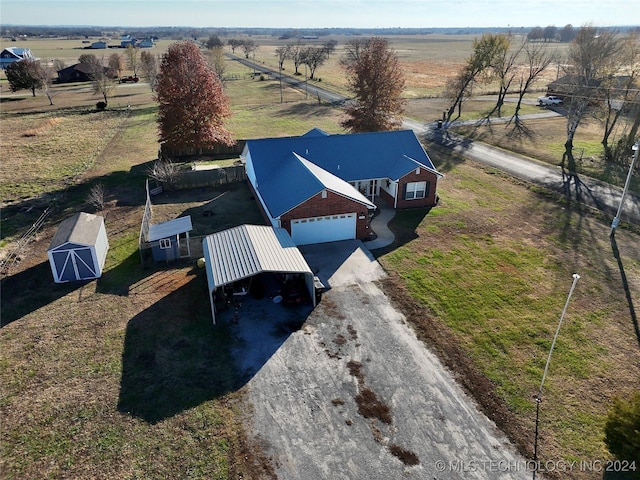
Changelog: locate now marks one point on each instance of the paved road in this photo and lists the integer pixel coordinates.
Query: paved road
(600, 195)
(303, 388)
(595, 193)
(310, 89)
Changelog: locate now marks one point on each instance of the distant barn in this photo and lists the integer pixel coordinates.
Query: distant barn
(79, 248)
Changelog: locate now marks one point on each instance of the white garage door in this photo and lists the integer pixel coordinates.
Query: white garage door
(324, 229)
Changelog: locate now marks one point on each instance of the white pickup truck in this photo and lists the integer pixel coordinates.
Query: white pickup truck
(549, 100)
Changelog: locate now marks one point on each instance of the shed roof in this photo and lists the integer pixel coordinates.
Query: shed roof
(169, 229)
(81, 229)
(247, 250)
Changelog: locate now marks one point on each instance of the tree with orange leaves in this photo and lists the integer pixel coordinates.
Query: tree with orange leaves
(375, 78)
(193, 105)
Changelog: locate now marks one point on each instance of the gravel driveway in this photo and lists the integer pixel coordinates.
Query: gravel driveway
(353, 394)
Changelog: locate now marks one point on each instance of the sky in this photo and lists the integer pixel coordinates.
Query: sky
(322, 13)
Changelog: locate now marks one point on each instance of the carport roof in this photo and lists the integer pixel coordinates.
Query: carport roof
(247, 250)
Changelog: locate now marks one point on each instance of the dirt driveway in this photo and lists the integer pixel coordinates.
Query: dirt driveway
(353, 394)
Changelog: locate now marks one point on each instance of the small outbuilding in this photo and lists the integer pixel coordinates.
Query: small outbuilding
(170, 240)
(245, 251)
(79, 248)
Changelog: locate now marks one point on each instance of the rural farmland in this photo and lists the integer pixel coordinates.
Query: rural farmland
(125, 377)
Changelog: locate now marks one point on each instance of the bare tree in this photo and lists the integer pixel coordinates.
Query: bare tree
(234, 43)
(590, 57)
(133, 59)
(282, 53)
(620, 93)
(88, 58)
(314, 57)
(296, 54)
(47, 73)
(58, 65)
(503, 68)
(101, 77)
(213, 42)
(116, 63)
(149, 67)
(96, 197)
(537, 58)
(215, 59)
(248, 47)
(330, 46)
(164, 171)
(485, 50)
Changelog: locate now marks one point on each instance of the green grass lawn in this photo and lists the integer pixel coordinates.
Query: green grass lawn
(493, 264)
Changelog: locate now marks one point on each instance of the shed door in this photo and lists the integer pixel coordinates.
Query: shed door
(330, 228)
(74, 265)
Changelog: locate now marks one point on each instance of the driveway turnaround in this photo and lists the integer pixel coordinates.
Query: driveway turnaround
(346, 391)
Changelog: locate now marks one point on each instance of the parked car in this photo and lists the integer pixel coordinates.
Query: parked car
(549, 100)
(129, 79)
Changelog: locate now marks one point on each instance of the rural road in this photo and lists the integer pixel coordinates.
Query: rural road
(594, 193)
(301, 84)
(304, 385)
(601, 195)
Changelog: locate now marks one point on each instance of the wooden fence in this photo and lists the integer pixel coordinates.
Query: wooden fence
(209, 178)
(218, 152)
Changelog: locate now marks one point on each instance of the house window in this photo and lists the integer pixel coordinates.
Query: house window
(165, 243)
(415, 190)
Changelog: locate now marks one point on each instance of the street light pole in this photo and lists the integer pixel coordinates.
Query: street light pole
(576, 277)
(616, 219)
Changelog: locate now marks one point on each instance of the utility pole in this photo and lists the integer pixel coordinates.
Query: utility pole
(576, 277)
(616, 219)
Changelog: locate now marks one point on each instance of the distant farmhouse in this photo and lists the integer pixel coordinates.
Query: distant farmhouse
(80, 72)
(14, 54)
(127, 40)
(98, 45)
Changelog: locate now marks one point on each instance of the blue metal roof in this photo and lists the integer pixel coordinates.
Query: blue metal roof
(351, 157)
(293, 180)
(284, 182)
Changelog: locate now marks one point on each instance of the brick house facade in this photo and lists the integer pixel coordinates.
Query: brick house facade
(333, 204)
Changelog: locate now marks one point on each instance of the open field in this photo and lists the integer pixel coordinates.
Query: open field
(125, 378)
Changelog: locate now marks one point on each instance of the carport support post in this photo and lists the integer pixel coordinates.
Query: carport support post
(213, 308)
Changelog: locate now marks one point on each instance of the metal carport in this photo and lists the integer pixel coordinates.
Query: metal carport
(247, 250)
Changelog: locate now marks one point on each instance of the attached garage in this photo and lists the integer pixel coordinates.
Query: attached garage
(79, 248)
(249, 250)
(330, 228)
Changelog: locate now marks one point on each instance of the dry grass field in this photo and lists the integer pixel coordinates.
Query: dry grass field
(124, 377)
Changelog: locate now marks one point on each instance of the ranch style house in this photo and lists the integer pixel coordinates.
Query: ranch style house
(323, 188)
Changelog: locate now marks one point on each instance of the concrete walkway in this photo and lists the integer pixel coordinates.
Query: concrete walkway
(384, 236)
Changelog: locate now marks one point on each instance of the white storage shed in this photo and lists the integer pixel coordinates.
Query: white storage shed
(79, 248)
